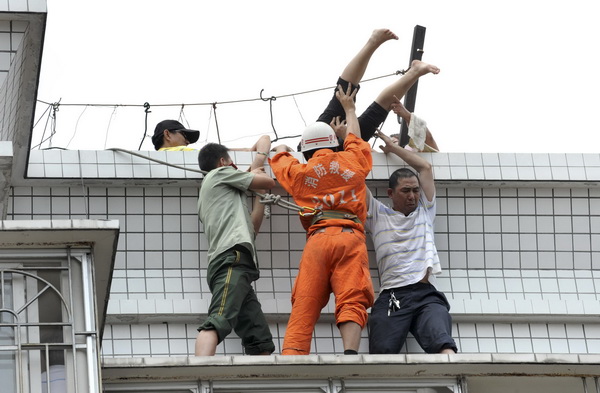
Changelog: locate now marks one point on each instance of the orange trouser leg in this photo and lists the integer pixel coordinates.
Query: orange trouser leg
(350, 279)
(310, 294)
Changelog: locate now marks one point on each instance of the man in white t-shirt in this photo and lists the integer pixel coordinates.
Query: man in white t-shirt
(407, 261)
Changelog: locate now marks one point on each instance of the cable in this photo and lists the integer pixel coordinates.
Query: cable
(266, 199)
(77, 125)
(52, 119)
(216, 122)
(108, 126)
(42, 115)
(214, 104)
(208, 125)
(225, 102)
(146, 111)
(182, 117)
(299, 111)
(45, 128)
(271, 99)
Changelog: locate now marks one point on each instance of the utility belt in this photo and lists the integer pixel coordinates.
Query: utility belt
(334, 214)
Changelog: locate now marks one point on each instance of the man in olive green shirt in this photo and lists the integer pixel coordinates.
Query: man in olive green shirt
(232, 261)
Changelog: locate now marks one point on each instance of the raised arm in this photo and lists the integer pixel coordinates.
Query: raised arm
(401, 111)
(262, 148)
(421, 165)
(257, 215)
(346, 98)
(260, 183)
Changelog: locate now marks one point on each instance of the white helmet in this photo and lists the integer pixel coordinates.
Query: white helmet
(318, 135)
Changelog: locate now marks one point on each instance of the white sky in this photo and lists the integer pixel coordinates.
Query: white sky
(516, 76)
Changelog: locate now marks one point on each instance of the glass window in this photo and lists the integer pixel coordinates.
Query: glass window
(48, 337)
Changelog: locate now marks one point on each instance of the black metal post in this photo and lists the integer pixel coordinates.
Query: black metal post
(416, 53)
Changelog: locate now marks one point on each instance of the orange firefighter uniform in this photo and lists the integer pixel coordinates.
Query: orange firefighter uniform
(335, 256)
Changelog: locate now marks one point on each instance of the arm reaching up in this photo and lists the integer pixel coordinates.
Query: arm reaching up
(347, 100)
(401, 111)
(421, 165)
(258, 209)
(257, 215)
(262, 148)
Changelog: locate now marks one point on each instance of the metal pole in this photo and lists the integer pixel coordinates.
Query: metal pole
(416, 53)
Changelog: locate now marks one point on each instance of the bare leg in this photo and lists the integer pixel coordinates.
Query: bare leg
(399, 88)
(355, 70)
(447, 351)
(350, 332)
(206, 343)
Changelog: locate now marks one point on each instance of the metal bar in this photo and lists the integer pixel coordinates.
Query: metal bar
(72, 319)
(28, 324)
(416, 53)
(89, 314)
(19, 359)
(2, 294)
(44, 345)
(37, 269)
(33, 299)
(47, 361)
(36, 277)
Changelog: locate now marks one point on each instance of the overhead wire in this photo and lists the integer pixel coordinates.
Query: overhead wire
(77, 125)
(214, 104)
(146, 111)
(108, 126)
(270, 99)
(52, 119)
(45, 126)
(42, 115)
(214, 108)
(402, 72)
(266, 199)
(182, 118)
(210, 113)
(55, 108)
(299, 111)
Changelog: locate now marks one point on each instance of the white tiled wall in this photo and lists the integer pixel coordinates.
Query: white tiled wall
(447, 166)
(11, 61)
(23, 6)
(521, 259)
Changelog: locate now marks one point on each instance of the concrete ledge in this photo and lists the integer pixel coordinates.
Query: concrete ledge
(340, 366)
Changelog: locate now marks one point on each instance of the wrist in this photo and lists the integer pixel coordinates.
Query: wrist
(263, 153)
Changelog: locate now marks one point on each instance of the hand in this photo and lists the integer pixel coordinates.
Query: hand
(399, 109)
(346, 98)
(389, 143)
(339, 127)
(281, 148)
(259, 170)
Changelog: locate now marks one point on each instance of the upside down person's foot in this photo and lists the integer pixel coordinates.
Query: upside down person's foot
(422, 68)
(380, 36)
